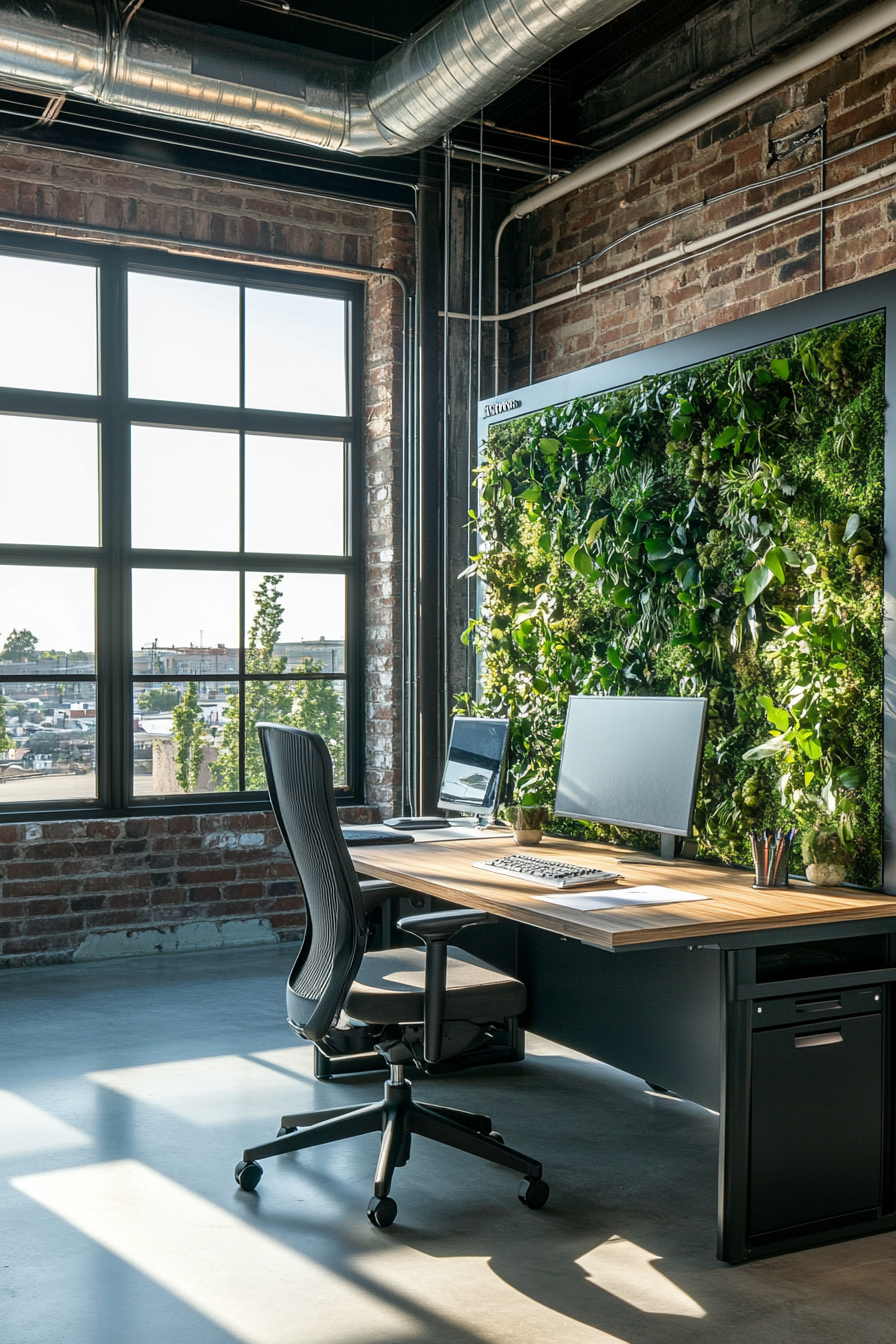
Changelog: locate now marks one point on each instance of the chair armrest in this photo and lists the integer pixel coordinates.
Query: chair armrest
(444, 923)
(374, 891)
(435, 930)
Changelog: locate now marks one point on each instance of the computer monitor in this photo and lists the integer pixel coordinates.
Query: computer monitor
(474, 766)
(633, 761)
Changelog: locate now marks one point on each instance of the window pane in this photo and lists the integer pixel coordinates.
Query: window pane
(47, 742)
(185, 489)
(47, 620)
(180, 729)
(295, 353)
(183, 340)
(48, 325)
(295, 495)
(318, 706)
(49, 480)
(292, 617)
(185, 621)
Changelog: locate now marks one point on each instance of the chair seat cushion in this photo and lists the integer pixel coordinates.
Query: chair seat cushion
(389, 988)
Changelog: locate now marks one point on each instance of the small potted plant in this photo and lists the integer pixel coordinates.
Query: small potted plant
(528, 818)
(826, 855)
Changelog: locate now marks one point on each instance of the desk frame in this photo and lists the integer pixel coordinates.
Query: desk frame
(680, 1013)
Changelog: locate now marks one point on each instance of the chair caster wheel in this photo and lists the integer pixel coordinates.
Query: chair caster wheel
(247, 1175)
(281, 1132)
(381, 1212)
(534, 1194)
(498, 1138)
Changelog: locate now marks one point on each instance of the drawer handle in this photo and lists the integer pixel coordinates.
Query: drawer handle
(819, 1006)
(821, 1038)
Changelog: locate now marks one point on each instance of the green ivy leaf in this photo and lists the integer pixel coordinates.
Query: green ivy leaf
(687, 574)
(755, 583)
(769, 748)
(582, 562)
(853, 523)
(596, 527)
(774, 560)
(780, 368)
(679, 429)
(853, 777)
(550, 447)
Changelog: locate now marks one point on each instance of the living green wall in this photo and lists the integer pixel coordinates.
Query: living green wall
(714, 532)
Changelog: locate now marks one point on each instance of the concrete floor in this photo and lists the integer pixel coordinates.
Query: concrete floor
(128, 1090)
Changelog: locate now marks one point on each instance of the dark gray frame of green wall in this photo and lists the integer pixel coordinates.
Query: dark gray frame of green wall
(114, 412)
(877, 295)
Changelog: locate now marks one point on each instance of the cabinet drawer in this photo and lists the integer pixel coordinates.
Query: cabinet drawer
(816, 1122)
(813, 1007)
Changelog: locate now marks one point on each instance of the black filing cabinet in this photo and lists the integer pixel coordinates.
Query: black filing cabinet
(816, 1110)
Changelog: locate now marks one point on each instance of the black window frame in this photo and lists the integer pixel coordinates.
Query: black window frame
(114, 558)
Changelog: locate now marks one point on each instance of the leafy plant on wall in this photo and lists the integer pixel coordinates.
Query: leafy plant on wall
(714, 532)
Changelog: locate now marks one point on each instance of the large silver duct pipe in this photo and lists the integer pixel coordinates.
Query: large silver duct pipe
(118, 54)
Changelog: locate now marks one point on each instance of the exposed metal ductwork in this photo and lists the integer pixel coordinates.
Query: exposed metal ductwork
(121, 55)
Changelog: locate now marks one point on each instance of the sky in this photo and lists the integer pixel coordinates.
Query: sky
(52, 345)
(177, 607)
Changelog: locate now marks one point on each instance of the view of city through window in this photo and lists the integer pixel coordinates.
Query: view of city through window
(237, 465)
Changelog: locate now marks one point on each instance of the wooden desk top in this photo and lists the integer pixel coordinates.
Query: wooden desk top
(445, 870)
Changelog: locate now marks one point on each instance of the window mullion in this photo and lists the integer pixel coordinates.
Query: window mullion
(114, 735)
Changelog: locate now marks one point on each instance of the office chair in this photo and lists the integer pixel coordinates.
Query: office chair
(404, 1002)
(498, 1043)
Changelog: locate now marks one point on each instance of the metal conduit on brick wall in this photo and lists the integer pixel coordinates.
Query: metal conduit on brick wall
(773, 267)
(101, 888)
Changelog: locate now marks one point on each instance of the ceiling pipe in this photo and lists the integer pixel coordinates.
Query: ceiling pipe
(124, 56)
(851, 33)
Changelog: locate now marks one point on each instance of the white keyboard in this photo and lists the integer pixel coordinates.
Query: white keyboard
(556, 873)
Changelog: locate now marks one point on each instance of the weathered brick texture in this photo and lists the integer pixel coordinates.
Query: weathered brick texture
(61, 881)
(745, 276)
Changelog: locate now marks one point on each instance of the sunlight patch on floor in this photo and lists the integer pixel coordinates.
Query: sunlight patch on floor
(26, 1128)
(297, 1059)
(476, 1299)
(217, 1090)
(250, 1285)
(629, 1272)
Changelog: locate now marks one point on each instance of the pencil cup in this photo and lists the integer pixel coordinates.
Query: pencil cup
(771, 856)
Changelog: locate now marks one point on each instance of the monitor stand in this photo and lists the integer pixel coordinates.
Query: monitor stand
(676, 847)
(670, 850)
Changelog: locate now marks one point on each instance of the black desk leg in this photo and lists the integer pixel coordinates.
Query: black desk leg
(734, 1121)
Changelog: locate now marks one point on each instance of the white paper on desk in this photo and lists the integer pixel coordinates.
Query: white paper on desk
(605, 900)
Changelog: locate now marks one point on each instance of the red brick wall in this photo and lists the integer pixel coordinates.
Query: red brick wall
(109, 888)
(770, 268)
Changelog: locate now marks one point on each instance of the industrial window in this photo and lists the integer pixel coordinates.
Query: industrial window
(179, 527)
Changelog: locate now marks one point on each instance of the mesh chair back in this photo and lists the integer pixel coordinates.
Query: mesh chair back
(300, 779)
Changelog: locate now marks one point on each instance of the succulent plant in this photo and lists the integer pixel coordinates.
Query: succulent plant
(824, 844)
